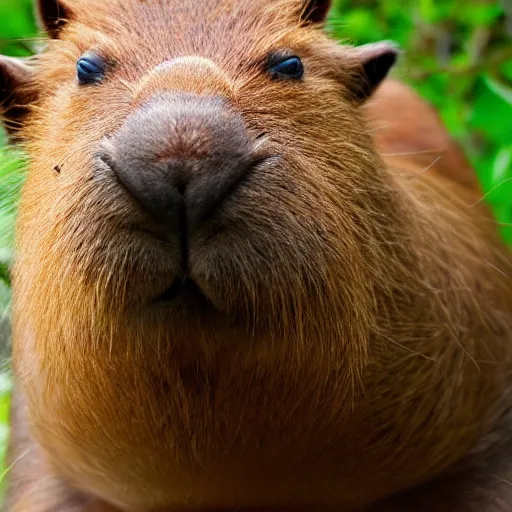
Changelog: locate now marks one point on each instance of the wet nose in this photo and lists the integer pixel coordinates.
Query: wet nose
(181, 155)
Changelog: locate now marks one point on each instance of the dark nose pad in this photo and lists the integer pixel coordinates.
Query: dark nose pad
(180, 155)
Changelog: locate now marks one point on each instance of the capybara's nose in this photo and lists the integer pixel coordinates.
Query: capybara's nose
(180, 155)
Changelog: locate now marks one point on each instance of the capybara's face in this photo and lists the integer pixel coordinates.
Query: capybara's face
(223, 298)
(204, 157)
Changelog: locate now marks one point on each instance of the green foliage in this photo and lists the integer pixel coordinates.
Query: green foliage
(11, 176)
(5, 400)
(17, 30)
(16, 25)
(457, 54)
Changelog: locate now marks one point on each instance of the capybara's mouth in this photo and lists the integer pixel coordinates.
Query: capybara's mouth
(182, 289)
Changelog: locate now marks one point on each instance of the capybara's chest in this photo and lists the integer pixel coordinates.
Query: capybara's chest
(231, 437)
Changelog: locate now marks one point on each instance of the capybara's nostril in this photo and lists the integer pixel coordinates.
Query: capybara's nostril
(181, 153)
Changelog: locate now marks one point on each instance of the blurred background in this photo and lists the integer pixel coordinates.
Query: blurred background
(458, 55)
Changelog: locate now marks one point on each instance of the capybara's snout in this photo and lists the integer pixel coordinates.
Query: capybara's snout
(180, 155)
(185, 147)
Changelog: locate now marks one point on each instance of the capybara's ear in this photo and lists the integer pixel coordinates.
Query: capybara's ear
(53, 15)
(315, 11)
(369, 65)
(16, 92)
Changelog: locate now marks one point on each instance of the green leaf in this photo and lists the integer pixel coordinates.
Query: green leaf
(506, 69)
(502, 168)
(500, 90)
(492, 111)
(12, 176)
(480, 13)
(4, 273)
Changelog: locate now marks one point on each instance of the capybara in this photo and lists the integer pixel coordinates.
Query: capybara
(239, 281)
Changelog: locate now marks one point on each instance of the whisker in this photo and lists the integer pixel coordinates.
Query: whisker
(16, 461)
(497, 269)
(490, 192)
(412, 153)
(426, 169)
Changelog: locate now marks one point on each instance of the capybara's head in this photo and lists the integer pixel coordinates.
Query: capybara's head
(213, 263)
(199, 165)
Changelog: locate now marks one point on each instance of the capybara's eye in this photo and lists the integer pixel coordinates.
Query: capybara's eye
(285, 67)
(90, 68)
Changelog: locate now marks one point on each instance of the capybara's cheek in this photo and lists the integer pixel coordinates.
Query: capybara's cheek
(265, 252)
(93, 240)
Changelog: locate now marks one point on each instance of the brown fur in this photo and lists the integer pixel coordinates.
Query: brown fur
(407, 129)
(358, 345)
